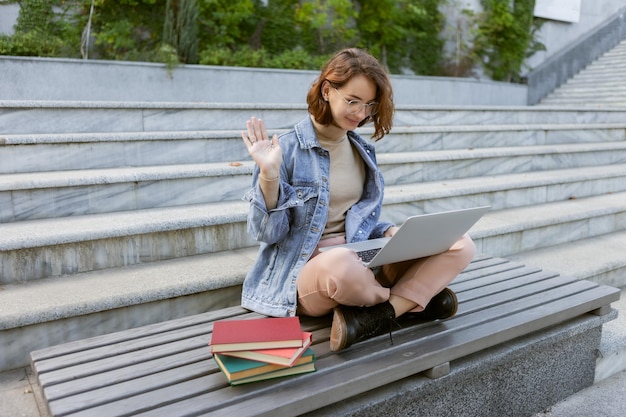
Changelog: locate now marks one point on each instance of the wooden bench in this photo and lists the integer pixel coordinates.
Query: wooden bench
(166, 369)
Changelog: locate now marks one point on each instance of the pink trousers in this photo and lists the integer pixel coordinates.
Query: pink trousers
(338, 277)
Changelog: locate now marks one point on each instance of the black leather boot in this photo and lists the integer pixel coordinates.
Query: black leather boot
(355, 324)
(442, 306)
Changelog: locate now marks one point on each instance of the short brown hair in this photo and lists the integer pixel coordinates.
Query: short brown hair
(344, 65)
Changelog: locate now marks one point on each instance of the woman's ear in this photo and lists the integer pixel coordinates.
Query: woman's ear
(325, 90)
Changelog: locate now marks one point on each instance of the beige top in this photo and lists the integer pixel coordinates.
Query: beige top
(347, 177)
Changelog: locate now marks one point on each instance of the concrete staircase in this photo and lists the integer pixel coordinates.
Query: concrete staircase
(116, 215)
(602, 83)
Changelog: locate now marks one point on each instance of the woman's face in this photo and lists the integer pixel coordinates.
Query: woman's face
(358, 89)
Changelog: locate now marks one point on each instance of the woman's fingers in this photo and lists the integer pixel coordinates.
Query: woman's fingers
(250, 128)
(261, 130)
(256, 130)
(246, 139)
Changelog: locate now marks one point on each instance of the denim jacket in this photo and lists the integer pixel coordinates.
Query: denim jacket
(289, 234)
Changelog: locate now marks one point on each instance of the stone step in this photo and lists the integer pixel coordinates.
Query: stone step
(79, 151)
(612, 64)
(586, 101)
(598, 258)
(591, 90)
(602, 85)
(47, 117)
(45, 195)
(37, 249)
(588, 96)
(614, 56)
(600, 69)
(38, 314)
(59, 194)
(44, 248)
(26, 117)
(503, 191)
(514, 231)
(592, 78)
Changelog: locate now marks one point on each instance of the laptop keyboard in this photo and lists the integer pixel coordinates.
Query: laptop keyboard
(368, 255)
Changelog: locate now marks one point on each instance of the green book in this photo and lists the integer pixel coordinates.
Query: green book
(240, 371)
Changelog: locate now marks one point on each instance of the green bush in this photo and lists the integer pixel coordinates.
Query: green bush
(504, 36)
(298, 59)
(244, 57)
(30, 44)
(260, 58)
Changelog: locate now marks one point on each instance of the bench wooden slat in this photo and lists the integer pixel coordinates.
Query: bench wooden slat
(481, 261)
(490, 274)
(499, 300)
(486, 268)
(471, 301)
(99, 381)
(88, 345)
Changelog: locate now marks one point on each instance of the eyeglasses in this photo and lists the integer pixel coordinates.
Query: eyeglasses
(355, 106)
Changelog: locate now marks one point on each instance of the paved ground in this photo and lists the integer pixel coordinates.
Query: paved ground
(604, 399)
(19, 395)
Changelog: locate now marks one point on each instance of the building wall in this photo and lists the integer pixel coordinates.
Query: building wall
(8, 17)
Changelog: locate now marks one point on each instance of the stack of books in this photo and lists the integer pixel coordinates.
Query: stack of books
(260, 349)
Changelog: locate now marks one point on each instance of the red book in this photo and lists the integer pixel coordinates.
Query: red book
(282, 356)
(254, 334)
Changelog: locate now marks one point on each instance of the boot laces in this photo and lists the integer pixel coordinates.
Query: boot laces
(373, 324)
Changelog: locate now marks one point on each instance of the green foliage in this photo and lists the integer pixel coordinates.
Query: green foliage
(126, 29)
(35, 16)
(298, 59)
(504, 36)
(243, 57)
(326, 25)
(274, 28)
(300, 34)
(168, 55)
(225, 23)
(40, 31)
(424, 43)
(403, 33)
(30, 43)
(260, 58)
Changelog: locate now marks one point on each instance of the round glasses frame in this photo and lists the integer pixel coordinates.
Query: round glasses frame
(355, 106)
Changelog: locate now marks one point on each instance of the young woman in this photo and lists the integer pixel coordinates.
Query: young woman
(318, 185)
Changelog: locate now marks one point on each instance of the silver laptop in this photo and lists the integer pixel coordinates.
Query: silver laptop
(419, 236)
